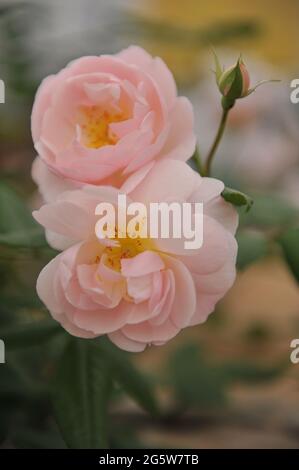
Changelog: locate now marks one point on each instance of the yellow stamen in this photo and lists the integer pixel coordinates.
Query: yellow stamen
(95, 126)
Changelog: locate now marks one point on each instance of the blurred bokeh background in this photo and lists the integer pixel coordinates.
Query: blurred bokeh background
(228, 383)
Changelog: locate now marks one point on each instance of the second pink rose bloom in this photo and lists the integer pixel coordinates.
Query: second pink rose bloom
(142, 291)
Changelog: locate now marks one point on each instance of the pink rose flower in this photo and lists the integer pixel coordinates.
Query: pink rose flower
(142, 291)
(104, 117)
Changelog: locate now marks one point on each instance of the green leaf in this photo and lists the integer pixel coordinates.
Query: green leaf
(250, 373)
(270, 211)
(13, 387)
(262, 82)
(81, 394)
(289, 243)
(33, 238)
(218, 67)
(195, 383)
(202, 384)
(27, 335)
(17, 226)
(23, 299)
(251, 247)
(237, 198)
(27, 438)
(131, 380)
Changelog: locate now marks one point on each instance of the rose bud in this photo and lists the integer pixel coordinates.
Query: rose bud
(234, 82)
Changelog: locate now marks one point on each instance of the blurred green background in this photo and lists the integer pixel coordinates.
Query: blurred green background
(228, 383)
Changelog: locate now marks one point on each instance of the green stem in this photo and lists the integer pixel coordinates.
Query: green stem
(197, 161)
(207, 167)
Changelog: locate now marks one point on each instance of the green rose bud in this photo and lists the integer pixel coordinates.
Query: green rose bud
(234, 82)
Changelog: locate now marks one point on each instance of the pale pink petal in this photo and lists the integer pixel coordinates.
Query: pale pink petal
(158, 289)
(161, 309)
(41, 102)
(146, 154)
(144, 263)
(181, 183)
(45, 286)
(216, 249)
(121, 341)
(153, 66)
(148, 333)
(106, 272)
(181, 141)
(59, 242)
(223, 212)
(208, 189)
(139, 313)
(50, 185)
(184, 303)
(205, 305)
(99, 93)
(139, 288)
(67, 219)
(56, 131)
(179, 246)
(74, 330)
(77, 297)
(218, 282)
(136, 178)
(92, 195)
(103, 321)
(103, 293)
